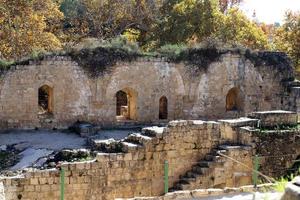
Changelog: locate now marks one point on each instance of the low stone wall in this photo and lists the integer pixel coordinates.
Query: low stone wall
(203, 193)
(275, 118)
(277, 150)
(138, 172)
(139, 169)
(273, 136)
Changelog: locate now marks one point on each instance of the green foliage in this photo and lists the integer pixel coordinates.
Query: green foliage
(123, 43)
(120, 42)
(171, 50)
(183, 20)
(280, 185)
(287, 37)
(191, 21)
(236, 28)
(26, 26)
(97, 60)
(5, 65)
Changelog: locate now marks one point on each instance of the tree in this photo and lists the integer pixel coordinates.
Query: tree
(228, 4)
(111, 18)
(27, 26)
(183, 20)
(76, 23)
(287, 37)
(237, 28)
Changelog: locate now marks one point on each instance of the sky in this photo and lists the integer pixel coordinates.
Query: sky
(269, 11)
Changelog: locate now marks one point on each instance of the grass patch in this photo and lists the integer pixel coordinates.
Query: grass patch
(280, 184)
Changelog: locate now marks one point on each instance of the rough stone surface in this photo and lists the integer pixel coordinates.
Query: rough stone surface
(137, 168)
(77, 96)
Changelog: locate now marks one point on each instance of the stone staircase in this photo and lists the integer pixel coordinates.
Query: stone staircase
(131, 143)
(203, 172)
(207, 172)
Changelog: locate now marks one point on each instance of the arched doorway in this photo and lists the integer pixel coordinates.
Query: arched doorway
(45, 100)
(163, 108)
(233, 101)
(122, 104)
(126, 104)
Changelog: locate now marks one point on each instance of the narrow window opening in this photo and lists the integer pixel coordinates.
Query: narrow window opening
(163, 108)
(233, 102)
(45, 100)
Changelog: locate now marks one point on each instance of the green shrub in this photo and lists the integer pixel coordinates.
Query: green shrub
(5, 65)
(172, 51)
(115, 43)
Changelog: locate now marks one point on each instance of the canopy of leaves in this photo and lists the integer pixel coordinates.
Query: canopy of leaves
(235, 27)
(287, 37)
(27, 26)
(183, 20)
(190, 21)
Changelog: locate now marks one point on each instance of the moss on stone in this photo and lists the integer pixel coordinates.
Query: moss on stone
(97, 61)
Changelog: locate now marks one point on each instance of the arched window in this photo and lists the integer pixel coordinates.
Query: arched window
(233, 102)
(122, 103)
(163, 108)
(126, 104)
(45, 99)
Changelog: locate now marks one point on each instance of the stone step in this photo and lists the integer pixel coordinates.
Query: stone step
(209, 157)
(217, 151)
(205, 163)
(192, 174)
(200, 170)
(137, 138)
(188, 179)
(201, 173)
(113, 146)
(130, 147)
(181, 186)
(154, 131)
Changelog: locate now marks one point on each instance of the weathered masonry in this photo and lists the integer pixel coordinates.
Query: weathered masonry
(134, 167)
(57, 90)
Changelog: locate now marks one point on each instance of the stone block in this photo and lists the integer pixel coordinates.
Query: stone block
(275, 118)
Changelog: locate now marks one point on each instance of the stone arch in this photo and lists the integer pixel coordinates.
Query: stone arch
(126, 104)
(163, 108)
(180, 87)
(45, 99)
(233, 100)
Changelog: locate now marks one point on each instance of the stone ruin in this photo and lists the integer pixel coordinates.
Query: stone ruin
(179, 98)
(201, 155)
(98, 86)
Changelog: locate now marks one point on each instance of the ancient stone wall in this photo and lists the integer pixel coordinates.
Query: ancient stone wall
(138, 172)
(277, 150)
(192, 92)
(275, 138)
(19, 94)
